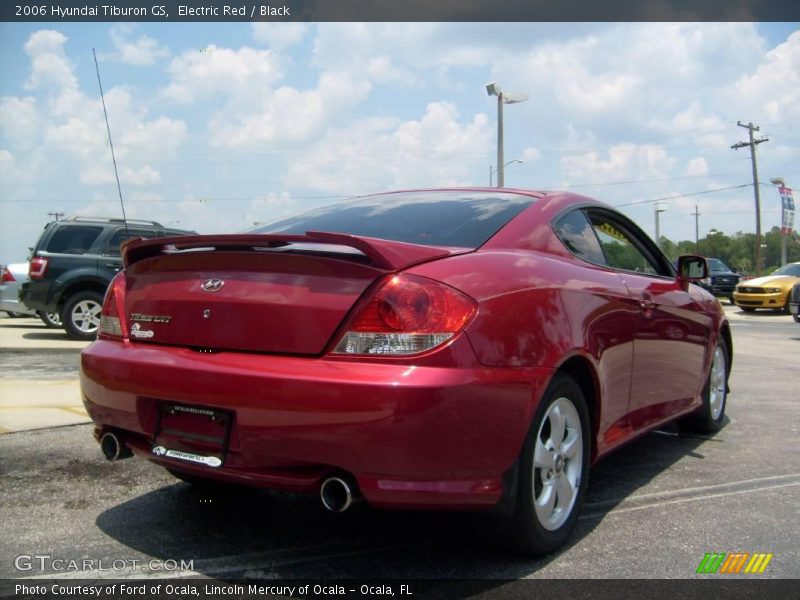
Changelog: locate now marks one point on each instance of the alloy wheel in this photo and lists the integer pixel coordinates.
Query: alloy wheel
(716, 383)
(557, 464)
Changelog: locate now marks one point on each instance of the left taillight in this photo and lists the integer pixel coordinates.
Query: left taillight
(407, 314)
(37, 267)
(112, 317)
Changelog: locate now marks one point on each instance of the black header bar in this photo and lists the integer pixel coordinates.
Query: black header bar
(398, 10)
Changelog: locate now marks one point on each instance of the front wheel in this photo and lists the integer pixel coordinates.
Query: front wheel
(81, 315)
(554, 470)
(709, 417)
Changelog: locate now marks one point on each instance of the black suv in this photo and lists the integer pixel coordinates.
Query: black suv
(73, 263)
(721, 280)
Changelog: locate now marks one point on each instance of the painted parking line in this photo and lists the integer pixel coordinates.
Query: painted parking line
(694, 494)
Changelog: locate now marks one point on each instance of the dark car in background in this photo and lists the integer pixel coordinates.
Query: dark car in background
(721, 280)
(72, 263)
(794, 303)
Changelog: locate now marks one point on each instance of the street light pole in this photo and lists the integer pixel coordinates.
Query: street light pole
(493, 89)
(500, 170)
(492, 170)
(658, 212)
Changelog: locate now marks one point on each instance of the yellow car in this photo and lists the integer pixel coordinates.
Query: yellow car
(771, 291)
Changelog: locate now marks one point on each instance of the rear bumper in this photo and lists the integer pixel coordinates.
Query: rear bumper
(36, 295)
(411, 436)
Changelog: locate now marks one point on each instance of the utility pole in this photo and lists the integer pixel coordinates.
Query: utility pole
(658, 212)
(56, 216)
(696, 215)
(752, 144)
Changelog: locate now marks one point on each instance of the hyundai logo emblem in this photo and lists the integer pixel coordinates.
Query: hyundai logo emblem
(212, 285)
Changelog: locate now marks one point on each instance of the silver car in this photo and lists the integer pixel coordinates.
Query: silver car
(11, 279)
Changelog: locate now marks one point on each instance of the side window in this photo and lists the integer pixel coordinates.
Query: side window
(73, 239)
(622, 249)
(575, 231)
(120, 235)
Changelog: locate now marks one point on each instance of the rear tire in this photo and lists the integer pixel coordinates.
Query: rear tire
(554, 470)
(81, 315)
(711, 414)
(51, 319)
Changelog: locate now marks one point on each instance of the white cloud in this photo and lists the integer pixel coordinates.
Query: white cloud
(291, 115)
(142, 51)
(697, 167)
(279, 35)
(622, 162)
(214, 71)
(50, 68)
(379, 154)
(773, 89)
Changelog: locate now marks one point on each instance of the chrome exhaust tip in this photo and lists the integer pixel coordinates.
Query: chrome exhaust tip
(113, 448)
(337, 494)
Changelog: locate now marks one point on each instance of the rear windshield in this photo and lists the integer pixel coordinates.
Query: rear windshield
(460, 219)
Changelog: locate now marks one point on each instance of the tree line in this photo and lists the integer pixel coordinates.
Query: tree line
(738, 250)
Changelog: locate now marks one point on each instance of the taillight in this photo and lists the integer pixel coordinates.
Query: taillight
(6, 276)
(407, 315)
(112, 317)
(37, 267)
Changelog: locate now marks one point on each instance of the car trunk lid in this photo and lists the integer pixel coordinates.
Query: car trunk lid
(260, 293)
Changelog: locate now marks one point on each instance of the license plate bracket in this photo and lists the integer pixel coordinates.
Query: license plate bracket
(192, 433)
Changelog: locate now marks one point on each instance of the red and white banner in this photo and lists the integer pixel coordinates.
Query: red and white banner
(787, 202)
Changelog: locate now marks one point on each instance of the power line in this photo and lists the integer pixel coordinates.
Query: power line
(733, 187)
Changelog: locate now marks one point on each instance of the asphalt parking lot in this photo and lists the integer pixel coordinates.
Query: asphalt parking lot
(654, 509)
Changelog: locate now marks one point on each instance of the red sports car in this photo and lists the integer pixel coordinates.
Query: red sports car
(449, 348)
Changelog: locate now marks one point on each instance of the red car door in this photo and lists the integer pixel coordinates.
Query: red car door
(670, 329)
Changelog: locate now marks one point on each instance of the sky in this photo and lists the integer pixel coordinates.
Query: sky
(217, 126)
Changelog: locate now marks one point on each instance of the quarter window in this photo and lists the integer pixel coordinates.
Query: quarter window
(575, 231)
(73, 239)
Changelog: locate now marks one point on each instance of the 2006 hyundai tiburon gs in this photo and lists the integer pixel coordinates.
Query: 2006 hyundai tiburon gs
(451, 348)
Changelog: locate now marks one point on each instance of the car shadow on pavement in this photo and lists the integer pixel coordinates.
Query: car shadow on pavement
(46, 335)
(232, 533)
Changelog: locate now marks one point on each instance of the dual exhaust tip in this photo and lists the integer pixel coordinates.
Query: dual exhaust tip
(336, 493)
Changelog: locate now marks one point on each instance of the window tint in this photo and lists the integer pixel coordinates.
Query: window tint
(622, 249)
(463, 219)
(575, 231)
(73, 239)
(120, 235)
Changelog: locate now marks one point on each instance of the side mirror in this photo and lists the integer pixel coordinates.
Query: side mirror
(692, 268)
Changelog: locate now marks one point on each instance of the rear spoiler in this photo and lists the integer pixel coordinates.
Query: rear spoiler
(385, 254)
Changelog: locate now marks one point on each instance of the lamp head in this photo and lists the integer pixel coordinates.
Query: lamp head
(493, 89)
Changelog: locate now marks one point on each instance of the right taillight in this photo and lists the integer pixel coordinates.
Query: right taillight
(37, 267)
(112, 317)
(407, 314)
(6, 276)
